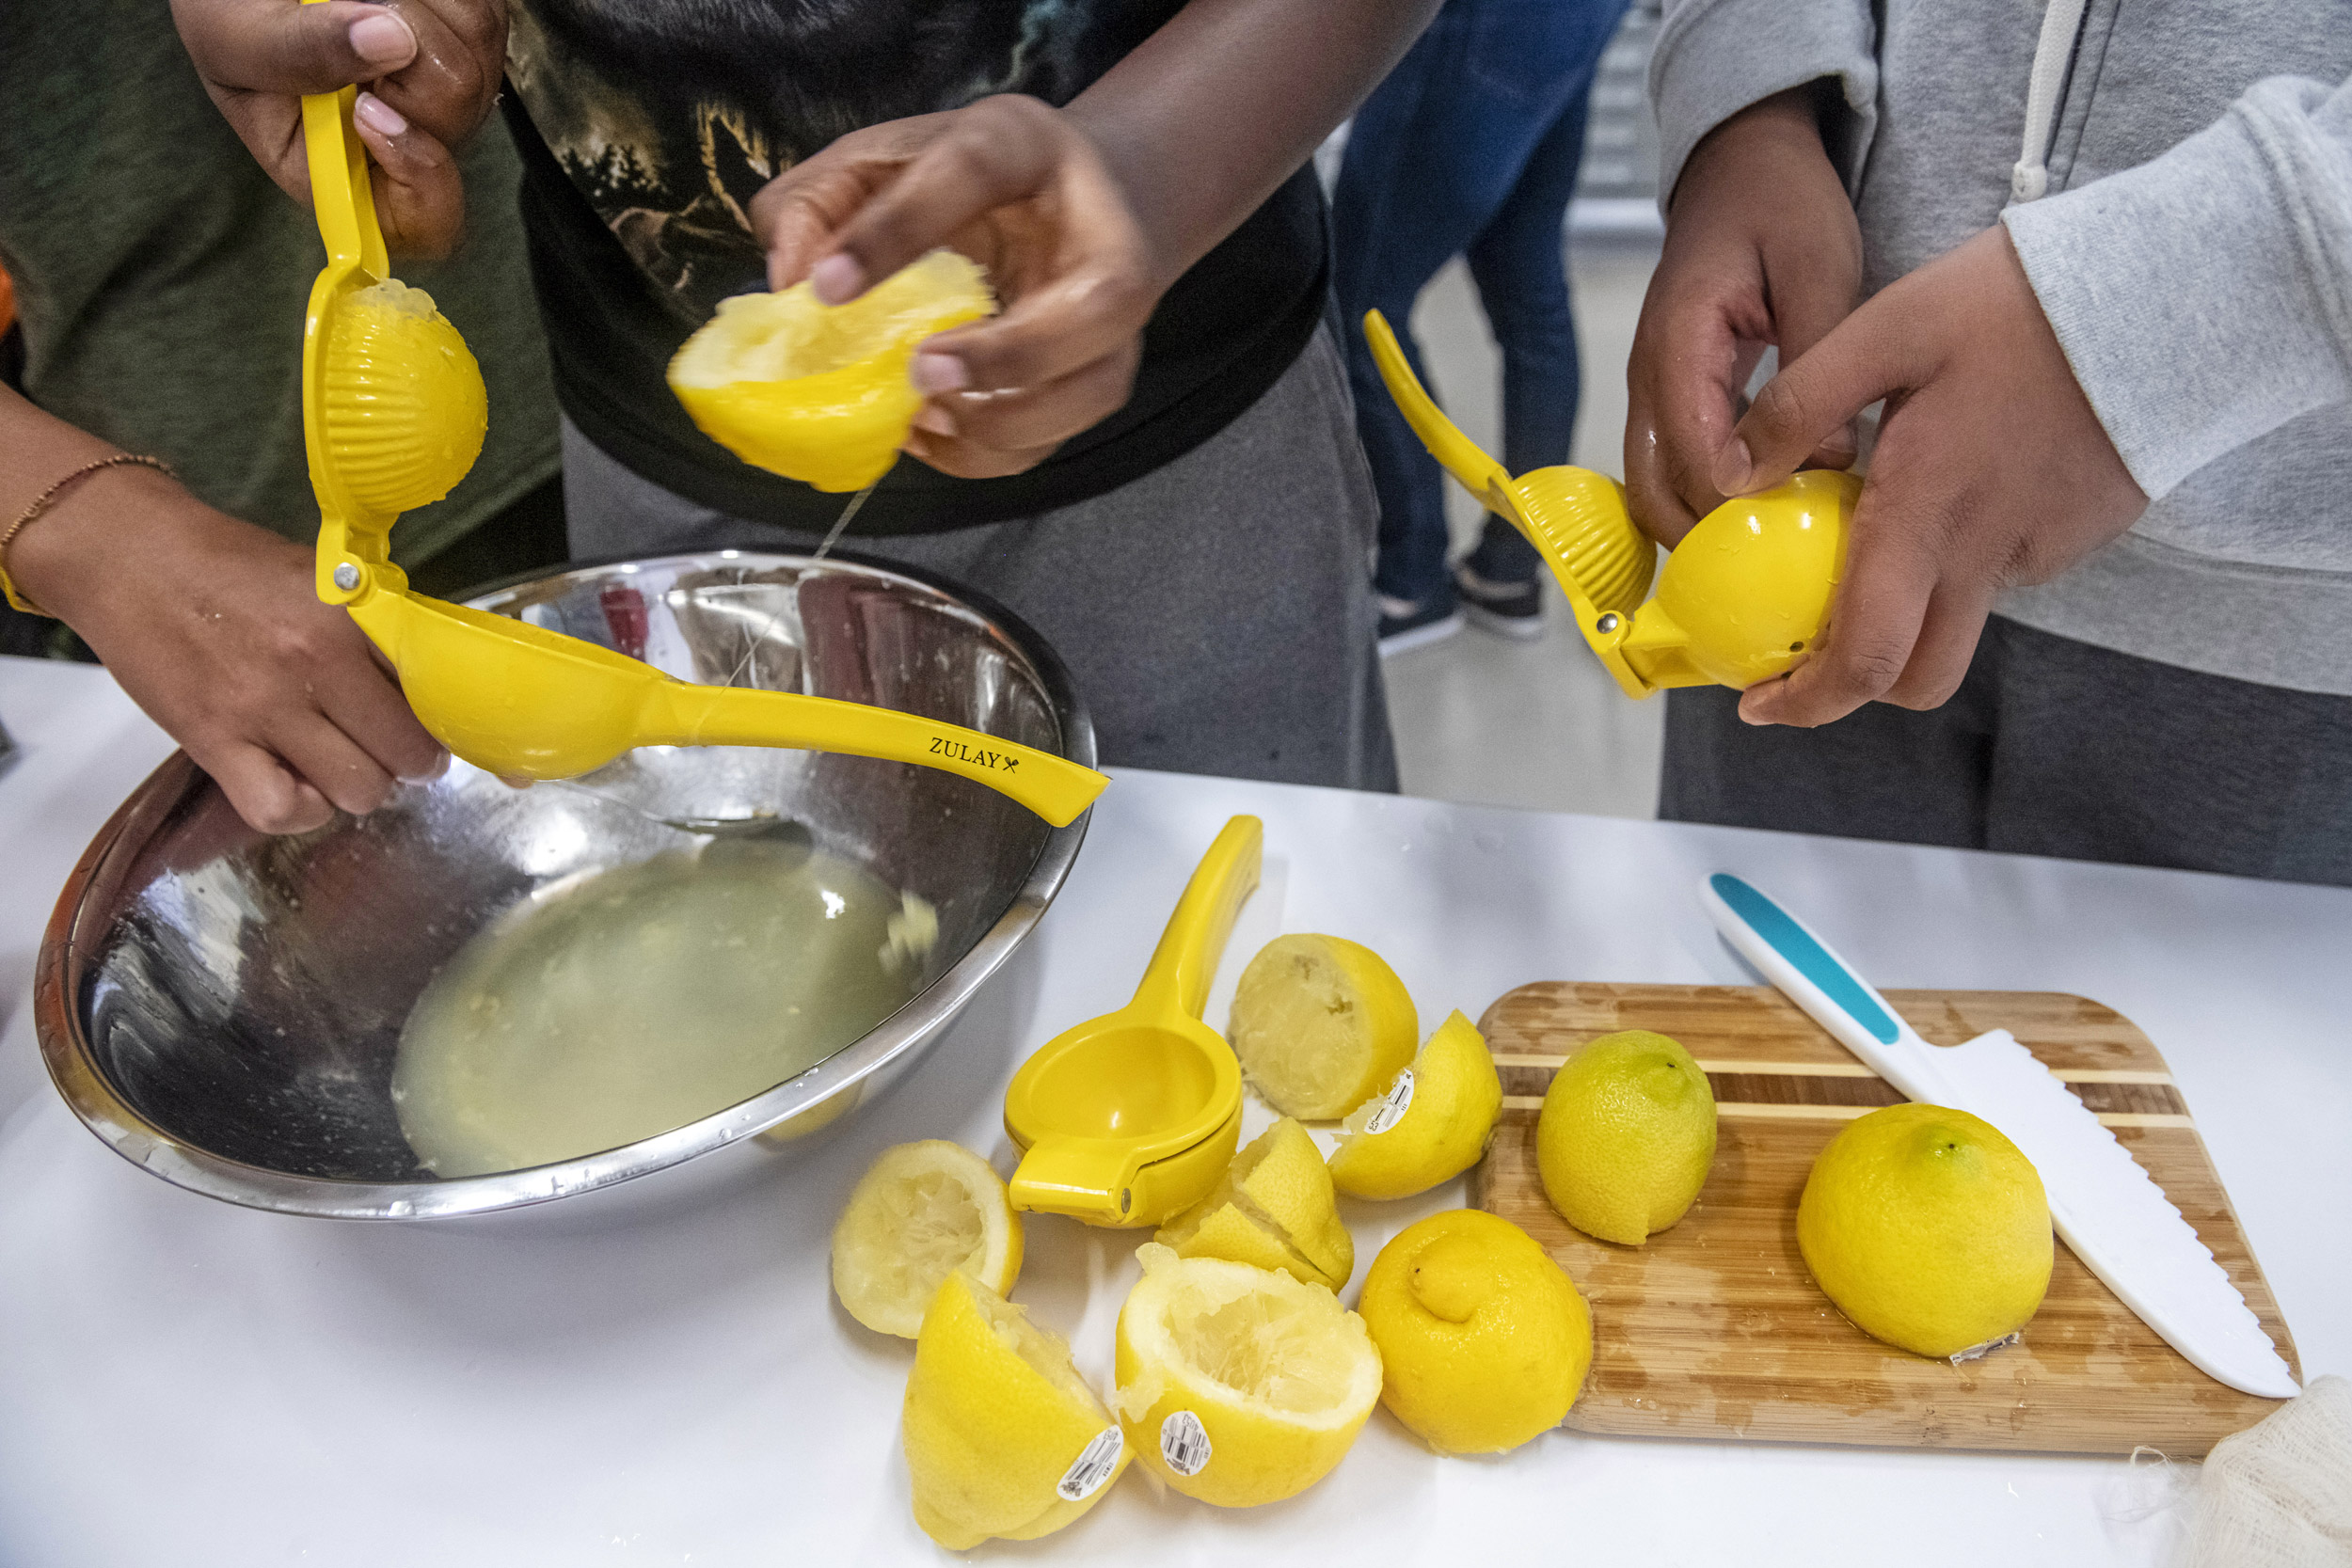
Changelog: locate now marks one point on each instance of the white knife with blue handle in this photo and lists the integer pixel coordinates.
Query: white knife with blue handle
(2105, 1206)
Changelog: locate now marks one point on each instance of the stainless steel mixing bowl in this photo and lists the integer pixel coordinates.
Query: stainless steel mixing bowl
(222, 1008)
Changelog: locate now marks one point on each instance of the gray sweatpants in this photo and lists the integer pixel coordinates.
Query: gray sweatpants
(1216, 613)
(2051, 747)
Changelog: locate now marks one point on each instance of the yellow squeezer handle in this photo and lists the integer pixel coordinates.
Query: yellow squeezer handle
(1184, 964)
(342, 197)
(1480, 474)
(1054, 787)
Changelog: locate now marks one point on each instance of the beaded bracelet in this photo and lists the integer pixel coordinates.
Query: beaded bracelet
(48, 497)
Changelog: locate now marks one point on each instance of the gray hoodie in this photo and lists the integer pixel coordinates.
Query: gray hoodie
(2193, 252)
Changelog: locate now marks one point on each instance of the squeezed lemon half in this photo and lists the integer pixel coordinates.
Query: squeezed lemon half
(1484, 1339)
(1236, 1386)
(1273, 1207)
(1320, 1023)
(921, 1212)
(1929, 1229)
(1431, 1123)
(1002, 1436)
(820, 392)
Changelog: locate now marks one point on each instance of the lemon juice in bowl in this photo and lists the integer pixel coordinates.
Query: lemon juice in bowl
(635, 1000)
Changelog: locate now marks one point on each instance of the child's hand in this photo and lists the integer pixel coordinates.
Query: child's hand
(214, 628)
(1761, 247)
(432, 69)
(1991, 470)
(1017, 187)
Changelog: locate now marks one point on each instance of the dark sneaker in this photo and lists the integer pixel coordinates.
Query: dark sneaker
(1405, 625)
(1507, 609)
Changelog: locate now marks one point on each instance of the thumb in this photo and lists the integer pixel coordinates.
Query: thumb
(1809, 295)
(268, 46)
(1862, 359)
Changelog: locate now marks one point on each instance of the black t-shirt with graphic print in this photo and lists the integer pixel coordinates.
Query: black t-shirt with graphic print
(647, 126)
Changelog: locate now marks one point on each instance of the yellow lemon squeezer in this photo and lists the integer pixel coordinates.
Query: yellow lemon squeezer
(1739, 601)
(1129, 1119)
(394, 413)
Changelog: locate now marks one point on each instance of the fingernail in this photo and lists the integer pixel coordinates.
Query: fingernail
(935, 373)
(838, 279)
(936, 419)
(440, 765)
(378, 115)
(1732, 465)
(383, 39)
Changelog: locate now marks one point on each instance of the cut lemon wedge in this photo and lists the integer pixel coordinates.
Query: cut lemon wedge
(1430, 1124)
(1273, 1207)
(818, 393)
(921, 1212)
(1236, 1386)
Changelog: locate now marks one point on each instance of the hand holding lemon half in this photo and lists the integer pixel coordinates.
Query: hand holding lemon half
(818, 392)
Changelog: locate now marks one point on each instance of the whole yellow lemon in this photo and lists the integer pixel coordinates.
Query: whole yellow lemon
(1484, 1339)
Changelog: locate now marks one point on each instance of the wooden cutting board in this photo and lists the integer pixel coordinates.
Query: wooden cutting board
(1714, 1330)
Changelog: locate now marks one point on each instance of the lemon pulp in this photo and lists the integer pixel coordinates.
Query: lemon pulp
(1319, 1023)
(641, 998)
(921, 1212)
(1237, 1385)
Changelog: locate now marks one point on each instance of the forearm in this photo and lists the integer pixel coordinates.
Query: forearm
(1213, 112)
(36, 450)
(2202, 297)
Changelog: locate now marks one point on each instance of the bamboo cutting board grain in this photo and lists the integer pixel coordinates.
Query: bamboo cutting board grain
(1714, 1330)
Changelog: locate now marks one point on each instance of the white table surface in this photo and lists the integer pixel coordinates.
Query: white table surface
(185, 1383)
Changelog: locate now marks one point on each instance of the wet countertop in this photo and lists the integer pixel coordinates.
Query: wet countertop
(671, 1383)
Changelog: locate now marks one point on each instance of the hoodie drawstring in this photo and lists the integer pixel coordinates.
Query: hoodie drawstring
(2051, 57)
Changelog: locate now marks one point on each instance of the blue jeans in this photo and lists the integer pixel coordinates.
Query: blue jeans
(1470, 147)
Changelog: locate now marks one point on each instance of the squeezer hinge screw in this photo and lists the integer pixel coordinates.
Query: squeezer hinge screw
(1606, 624)
(346, 576)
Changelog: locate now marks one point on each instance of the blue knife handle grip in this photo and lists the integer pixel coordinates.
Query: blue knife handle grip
(1811, 959)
